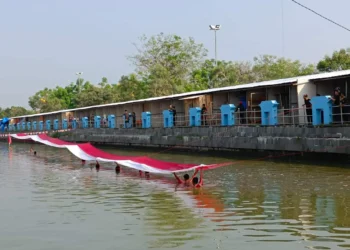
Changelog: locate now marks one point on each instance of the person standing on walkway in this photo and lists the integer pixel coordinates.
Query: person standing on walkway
(241, 111)
(336, 105)
(134, 119)
(204, 112)
(308, 105)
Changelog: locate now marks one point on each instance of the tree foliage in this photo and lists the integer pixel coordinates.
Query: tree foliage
(169, 64)
(223, 74)
(166, 62)
(131, 88)
(340, 60)
(14, 111)
(269, 67)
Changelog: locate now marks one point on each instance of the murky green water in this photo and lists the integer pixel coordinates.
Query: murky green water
(51, 202)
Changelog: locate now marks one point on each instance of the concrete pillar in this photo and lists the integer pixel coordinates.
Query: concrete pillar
(64, 124)
(227, 115)
(195, 117)
(55, 124)
(111, 121)
(146, 120)
(269, 113)
(41, 125)
(48, 125)
(322, 104)
(168, 119)
(97, 121)
(85, 122)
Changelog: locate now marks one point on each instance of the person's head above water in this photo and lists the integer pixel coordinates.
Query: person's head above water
(186, 177)
(195, 180)
(117, 169)
(34, 152)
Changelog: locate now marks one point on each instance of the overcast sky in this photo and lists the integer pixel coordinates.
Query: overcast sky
(44, 42)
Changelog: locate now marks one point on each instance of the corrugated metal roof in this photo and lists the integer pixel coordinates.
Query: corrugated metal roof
(207, 91)
(191, 97)
(176, 96)
(329, 75)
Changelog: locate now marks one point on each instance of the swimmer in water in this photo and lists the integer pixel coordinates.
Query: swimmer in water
(196, 183)
(117, 169)
(97, 166)
(187, 180)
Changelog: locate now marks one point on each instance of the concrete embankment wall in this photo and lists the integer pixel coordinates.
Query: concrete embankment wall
(295, 139)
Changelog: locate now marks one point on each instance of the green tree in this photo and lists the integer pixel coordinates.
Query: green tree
(14, 111)
(340, 60)
(48, 100)
(223, 74)
(130, 88)
(167, 61)
(91, 95)
(269, 67)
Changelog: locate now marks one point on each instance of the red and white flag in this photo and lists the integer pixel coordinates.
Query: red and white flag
(10, 140)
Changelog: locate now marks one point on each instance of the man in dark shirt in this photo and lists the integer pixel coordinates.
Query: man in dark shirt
(204, 115)
(126, 116)
(336, 105)
(174, 115)
(173, 111)
(134, 119)
(308, 105)
(241, 110)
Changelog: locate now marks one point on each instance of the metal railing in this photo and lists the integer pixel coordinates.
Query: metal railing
(285, 117)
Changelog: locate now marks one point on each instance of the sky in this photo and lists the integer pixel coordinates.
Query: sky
(43, 43)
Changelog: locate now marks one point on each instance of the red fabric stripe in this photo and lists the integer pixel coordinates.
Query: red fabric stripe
(55, 140)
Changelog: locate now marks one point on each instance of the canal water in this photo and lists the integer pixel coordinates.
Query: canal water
(50, 201)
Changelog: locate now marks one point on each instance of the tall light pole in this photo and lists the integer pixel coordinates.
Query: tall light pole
(79, 74)
(215, 28)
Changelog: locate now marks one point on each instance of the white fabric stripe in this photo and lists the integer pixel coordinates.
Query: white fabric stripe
(78, 152)
(25, 137)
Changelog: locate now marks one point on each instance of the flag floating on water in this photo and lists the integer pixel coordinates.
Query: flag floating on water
(86, 151)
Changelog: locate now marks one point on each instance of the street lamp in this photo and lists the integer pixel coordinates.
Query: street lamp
(215, 28)
(79, 74)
